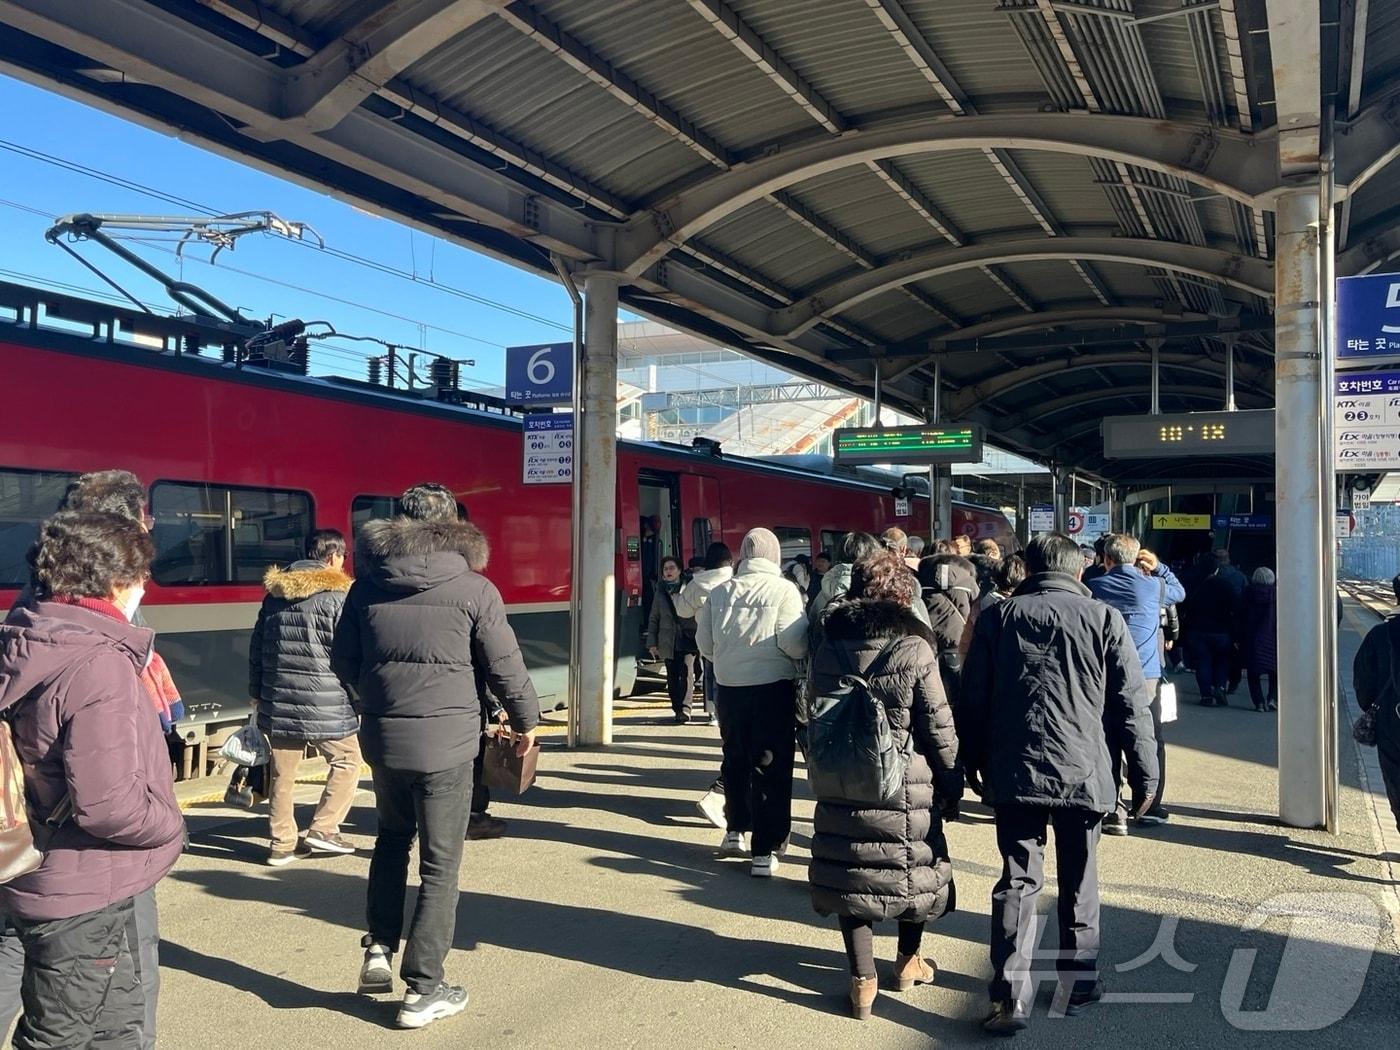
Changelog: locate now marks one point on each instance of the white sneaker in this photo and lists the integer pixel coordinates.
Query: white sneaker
(712, 806)
(733, 845)
(764, 867)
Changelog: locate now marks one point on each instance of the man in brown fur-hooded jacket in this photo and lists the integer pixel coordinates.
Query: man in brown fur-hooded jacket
(419, 624)
(300, 701)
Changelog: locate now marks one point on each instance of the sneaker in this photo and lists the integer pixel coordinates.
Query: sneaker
(331, 843)
(711, 805)
(1080, 1000)
(682, 718)
(377, 971)
(732, 845)
(280, 858)
(484, 826)
(1154, 817)
(1007, 1018)
(1271, 705)
(1115, 824)
(419, 1011)
(764, 867)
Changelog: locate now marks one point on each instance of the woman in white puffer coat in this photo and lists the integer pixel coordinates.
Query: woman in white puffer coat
(753, 629)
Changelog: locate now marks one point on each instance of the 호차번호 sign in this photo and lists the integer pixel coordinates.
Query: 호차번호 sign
(1043, 517)
(1368, 317)
(1366, 421)
(548, 449)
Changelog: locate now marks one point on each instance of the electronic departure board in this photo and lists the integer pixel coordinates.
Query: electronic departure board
(1244, 433)
(908, 446)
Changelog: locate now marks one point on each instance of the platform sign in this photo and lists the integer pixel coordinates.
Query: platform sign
(1368, 318)
(1345, 525)
(1242, 522)
(1043, 518)
(1366, 421)
(908, 446)
(549, 449)
(1074, 523)
(1181, 522)
(1248, 432)
(540, 375)
(1361, 499)
(901, 507)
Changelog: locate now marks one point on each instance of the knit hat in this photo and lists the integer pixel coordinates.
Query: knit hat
(761, 543)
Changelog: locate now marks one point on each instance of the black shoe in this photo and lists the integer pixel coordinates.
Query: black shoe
(1272, 705)
(1079, 1001)
(1007, 1018)
(1154, 817)
(1221, 699)
(1115, 824)
(682, 718)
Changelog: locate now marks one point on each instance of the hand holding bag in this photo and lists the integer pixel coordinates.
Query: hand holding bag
(247, 747)
(502, 768)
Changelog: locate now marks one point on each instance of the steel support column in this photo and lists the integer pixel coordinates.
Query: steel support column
(595, 458)
(1305, 682)
(1060, 479)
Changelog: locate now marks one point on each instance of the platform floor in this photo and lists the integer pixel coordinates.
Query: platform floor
(604, 919)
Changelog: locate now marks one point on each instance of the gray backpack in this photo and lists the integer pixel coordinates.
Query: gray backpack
(853, 754)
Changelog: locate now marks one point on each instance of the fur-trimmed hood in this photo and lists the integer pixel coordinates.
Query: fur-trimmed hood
(404, 554)
(862, 618)
(304, 578)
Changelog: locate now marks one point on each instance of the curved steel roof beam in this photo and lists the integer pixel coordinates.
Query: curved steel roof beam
(1021, 322)
(1241, 167)
(989, 390)
(1249, 274)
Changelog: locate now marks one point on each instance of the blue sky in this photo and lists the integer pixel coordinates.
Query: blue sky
(42, 122)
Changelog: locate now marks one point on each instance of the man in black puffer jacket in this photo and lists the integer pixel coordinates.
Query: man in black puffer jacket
(299, 699)
(1048, 670)
(419, 623)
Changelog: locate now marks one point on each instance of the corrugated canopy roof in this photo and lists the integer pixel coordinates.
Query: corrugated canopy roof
(841, 186)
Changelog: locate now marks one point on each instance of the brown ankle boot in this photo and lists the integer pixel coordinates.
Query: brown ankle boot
(863, 991)
(910, 970)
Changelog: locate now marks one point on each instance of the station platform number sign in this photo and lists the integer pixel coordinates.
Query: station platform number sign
(541, 375)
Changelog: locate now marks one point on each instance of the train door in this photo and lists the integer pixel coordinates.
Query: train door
(701, 516)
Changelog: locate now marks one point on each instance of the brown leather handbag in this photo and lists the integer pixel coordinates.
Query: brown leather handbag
(502, 768)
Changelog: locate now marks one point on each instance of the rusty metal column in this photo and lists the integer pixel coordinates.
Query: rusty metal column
(595, 460)
(1304, 681)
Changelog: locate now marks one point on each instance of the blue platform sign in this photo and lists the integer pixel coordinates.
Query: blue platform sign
(1368, 317)
(540, 375)
(1242, 522)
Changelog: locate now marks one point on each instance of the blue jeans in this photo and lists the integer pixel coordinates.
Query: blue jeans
(1210, 653)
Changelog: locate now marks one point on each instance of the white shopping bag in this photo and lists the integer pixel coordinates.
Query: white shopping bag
(1166, 696)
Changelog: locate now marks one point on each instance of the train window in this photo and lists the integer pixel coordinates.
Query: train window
(793, 541)
(833, 541)
(27, 497)
(700, 536)
(370, 508)
(209, 534)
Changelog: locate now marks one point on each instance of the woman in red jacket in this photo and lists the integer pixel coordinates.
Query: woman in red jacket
(97, 775)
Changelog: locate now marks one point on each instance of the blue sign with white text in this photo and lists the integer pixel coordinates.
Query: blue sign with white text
(542, 374)
(1243, 522)
(1368, 316)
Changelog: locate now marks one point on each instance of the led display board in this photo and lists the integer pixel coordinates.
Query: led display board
(1249, 432)
(908, 446)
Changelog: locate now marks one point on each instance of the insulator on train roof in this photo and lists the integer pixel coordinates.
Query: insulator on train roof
(376, 370)
(190, 344)
(443, 374)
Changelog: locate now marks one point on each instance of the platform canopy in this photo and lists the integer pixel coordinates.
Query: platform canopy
(1030, 192)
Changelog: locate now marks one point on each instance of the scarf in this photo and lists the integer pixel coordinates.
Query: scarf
(155, 676)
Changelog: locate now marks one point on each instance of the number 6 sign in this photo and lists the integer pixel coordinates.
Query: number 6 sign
(540, 375)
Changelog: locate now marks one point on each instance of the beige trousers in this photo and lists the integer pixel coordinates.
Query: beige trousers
(341, 783)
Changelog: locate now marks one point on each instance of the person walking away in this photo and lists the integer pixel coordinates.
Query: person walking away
(419, 622)
(1142, 599)
(1259, 624)
(97, 775)
(1010, 574)
(1374, 676)
(671, 638)
(962, 545)
(949, 587)
(837, 579)
(888, 860)
(1147, 563)
(1049, 668)
(718, 568)
(1215, 619)
(300, 701)
(915, 547)
(755, 632)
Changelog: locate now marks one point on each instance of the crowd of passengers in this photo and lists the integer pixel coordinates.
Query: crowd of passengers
(1030, 679)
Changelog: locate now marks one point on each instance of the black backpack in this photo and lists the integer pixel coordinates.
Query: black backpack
(853, 753)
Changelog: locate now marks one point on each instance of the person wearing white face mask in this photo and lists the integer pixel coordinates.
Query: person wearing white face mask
(97, 774)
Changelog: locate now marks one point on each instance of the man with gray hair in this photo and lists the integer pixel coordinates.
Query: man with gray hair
(754, 631)
(1140, 598)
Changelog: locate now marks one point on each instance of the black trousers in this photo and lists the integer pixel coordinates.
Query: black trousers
(757, 725)
(81, 988)
(859, 938)
(1390, 773)
(682, 670)
(1256, 687)
(481, 794)
(1021, 838)
(1117, 748)
(1211, 656)
(435, 807)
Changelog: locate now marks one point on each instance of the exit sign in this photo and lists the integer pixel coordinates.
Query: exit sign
(908, 446)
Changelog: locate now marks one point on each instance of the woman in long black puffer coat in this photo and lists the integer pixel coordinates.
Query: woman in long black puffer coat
(887, 861)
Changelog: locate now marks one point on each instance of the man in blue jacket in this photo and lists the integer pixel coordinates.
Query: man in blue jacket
(1140, 598)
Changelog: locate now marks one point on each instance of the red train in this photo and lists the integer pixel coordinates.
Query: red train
(244, 462)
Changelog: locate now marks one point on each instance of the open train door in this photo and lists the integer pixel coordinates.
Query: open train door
(701, 514)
